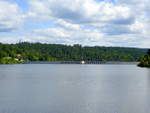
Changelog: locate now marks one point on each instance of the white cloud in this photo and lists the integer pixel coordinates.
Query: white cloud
(83, 36)
(10, 16)
(81, 11)
(87, 22)
(67, 25)
(38, 10)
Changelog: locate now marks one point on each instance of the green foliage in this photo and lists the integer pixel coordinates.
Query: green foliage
(9, 60)
(56, 52)
(51, 59)
(145, 60)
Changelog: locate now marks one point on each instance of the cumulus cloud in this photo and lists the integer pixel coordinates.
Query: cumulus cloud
(10, 16)
(67, 25)
(87, 22)
(106, 16)
(82, 11)
(85, 37)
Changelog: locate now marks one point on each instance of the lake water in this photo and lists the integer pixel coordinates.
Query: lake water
(68, 88)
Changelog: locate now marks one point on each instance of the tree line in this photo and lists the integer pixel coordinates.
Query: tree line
(25, 51)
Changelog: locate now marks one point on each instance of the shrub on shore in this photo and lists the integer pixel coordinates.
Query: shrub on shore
(145, 60)
(9, 60)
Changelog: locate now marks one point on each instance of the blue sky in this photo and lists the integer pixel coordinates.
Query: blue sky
(87, 22)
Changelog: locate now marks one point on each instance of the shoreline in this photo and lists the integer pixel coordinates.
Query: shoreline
(79, 62)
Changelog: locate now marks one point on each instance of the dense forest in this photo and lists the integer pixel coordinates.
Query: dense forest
(145, 60)
(24, 51)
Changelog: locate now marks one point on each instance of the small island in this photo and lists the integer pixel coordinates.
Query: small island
(145, 60)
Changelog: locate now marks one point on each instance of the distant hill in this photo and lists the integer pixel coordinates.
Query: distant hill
(25, 51)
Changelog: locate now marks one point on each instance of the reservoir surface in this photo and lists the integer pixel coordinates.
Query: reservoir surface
(74, 88)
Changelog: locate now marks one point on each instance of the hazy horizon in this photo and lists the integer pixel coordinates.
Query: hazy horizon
(77, 44)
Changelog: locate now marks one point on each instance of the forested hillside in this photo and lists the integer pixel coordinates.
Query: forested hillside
(21, 52)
